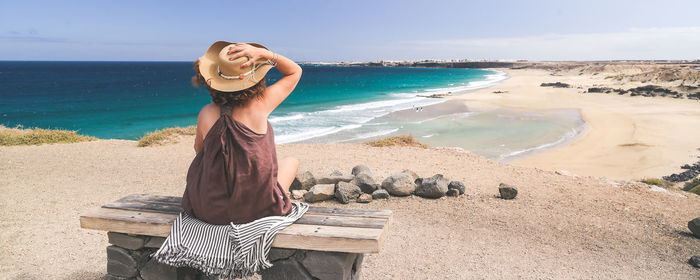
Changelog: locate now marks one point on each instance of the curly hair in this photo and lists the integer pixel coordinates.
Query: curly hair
(235, 98)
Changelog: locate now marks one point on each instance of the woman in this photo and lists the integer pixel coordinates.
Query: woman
(235, 176)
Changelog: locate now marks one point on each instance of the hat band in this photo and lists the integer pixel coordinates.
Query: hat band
(239, 77)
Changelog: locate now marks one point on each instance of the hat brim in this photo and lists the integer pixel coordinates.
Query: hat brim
(209, 70)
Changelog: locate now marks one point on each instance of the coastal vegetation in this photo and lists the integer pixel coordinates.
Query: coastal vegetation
(655, 182)
(38, 136)
(166, 136)
(693, 186)
(401, 140)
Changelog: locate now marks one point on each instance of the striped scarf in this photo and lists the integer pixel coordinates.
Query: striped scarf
(226, 251)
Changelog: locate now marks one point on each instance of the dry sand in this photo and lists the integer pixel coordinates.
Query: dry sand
(625, 138)
(559, 227)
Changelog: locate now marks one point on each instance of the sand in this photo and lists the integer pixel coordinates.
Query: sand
(625, 138)
(559, 227)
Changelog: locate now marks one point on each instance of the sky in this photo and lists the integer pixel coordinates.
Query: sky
(351, 30)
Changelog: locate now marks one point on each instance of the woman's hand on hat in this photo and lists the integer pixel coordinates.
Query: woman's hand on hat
(253, 53)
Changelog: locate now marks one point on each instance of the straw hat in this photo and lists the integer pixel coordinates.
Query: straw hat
(227, 75)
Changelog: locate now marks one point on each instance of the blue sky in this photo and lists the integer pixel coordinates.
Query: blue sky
(352, 30)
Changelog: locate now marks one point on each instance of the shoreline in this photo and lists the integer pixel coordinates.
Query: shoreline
(625, 137)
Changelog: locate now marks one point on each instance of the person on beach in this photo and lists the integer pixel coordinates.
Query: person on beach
(235, 176)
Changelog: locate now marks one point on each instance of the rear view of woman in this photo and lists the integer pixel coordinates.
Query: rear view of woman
(235, 176)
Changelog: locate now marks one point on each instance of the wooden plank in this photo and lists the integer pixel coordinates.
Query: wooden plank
(149, 203)
(350, 212)
(151, 198)
(125, 221)
(297, 236)
(329, 238)
(341, 221)
(142, 206)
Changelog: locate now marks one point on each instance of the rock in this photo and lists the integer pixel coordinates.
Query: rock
(694, 261)
(380, 194)
(359, 169)
(279, 253)
(303, 181)
(118, 254)
(298, 194)
(329, 265)
(154, 270)
(155, 242)
(694, 227)
(286, 269)
(336, 173)
(565, 173)
(418, 181)
(320, 192)
(414, 174)
(344, 192)
(457, 185)
(118, 269)
(507, 191)
(131, 242)
(453, 192)
(433, 187)
(556, 85)
(334, 179)
(365, 182)
(365, 198)
(400, 184)
(120, 263)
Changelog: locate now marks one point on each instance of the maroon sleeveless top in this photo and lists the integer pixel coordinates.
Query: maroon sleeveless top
(233, 178)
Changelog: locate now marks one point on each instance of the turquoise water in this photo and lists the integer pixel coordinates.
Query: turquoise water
(126, 100)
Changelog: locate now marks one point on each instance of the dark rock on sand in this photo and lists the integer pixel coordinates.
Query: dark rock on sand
(433, 187)
(507, 191)
(336, 173)
(365, 182)
(345, 192)
(452, 192)
(400, 184)
(694, 227)
(359, 169)
(365, 198)
(380, 194)
(303, 181)
(457, 185)
(694, 261)
(557, 85)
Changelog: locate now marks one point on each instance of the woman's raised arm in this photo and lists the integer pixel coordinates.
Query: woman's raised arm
(276, 93)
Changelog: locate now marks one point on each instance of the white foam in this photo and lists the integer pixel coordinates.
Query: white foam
(428, 136)
(568, 136)
(372, 134)
(286, 118)
(312, 133)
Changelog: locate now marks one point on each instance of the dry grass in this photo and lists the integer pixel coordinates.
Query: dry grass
(693, 186)
(166, 136)
(38, 136)
(401, 140)
(656, 182)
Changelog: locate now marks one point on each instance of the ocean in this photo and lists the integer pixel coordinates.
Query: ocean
(126, 100)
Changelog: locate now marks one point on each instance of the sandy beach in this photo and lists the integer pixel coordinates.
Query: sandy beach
(558, 227)
(625, 138)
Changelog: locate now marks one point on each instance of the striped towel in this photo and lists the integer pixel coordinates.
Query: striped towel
(226, 251)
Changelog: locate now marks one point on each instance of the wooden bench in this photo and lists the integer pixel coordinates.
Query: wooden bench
(326, 243)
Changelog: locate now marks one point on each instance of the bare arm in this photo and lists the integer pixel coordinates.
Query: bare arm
(206, 119)
(276, 93)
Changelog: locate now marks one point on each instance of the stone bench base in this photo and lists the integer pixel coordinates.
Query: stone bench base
(128, 258)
